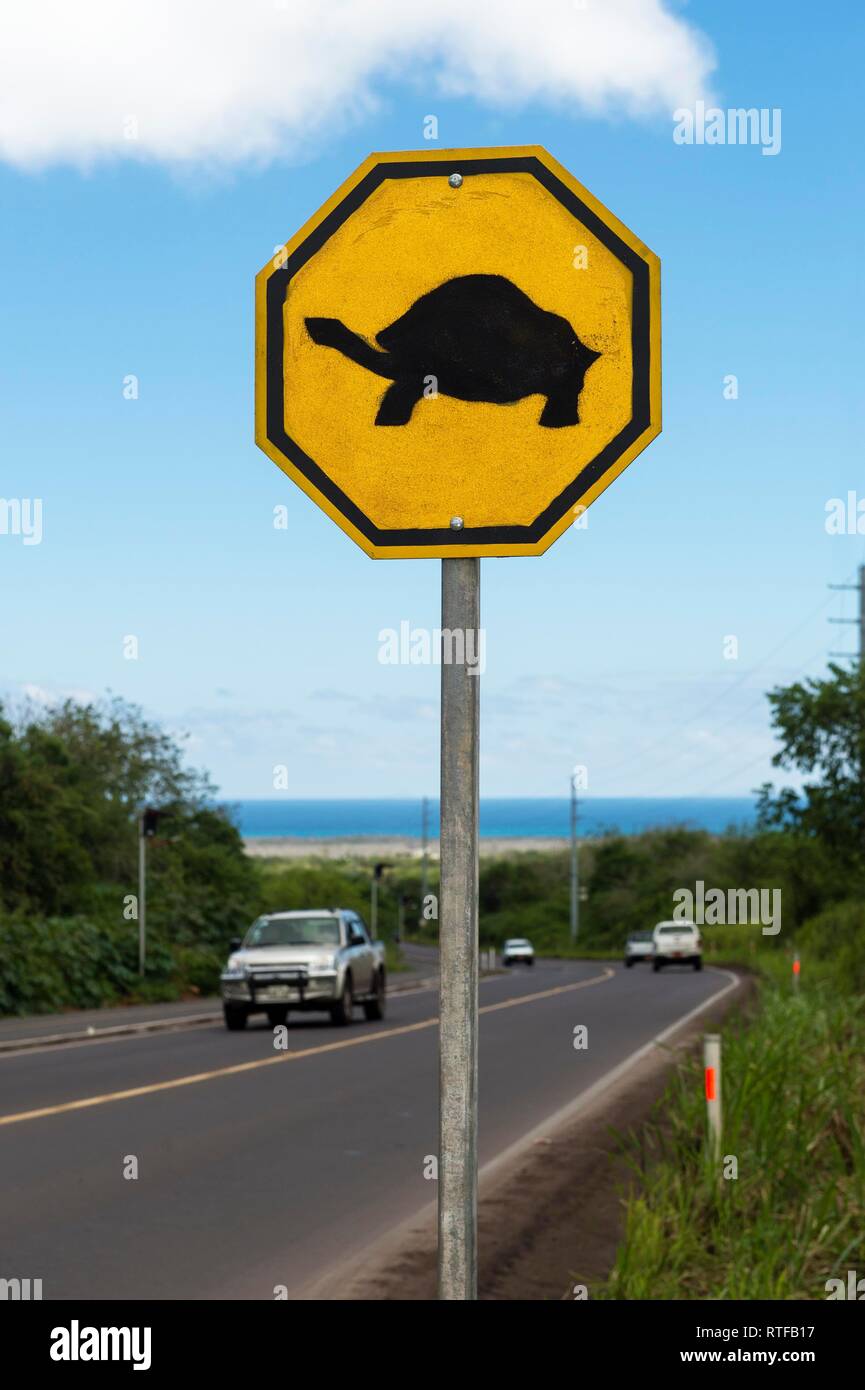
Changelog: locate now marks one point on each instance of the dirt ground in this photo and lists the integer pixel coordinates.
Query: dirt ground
(553, 1217)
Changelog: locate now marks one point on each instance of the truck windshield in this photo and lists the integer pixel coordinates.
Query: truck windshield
(293, 931)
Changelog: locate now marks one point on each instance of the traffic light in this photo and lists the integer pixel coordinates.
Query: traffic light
(149, 823)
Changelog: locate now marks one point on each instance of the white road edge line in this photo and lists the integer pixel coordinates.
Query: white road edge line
(582, 1101)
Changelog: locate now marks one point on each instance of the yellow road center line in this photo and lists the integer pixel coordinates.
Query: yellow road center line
(88, 1101)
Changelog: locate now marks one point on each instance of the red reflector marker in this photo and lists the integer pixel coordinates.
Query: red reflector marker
(710, 1083)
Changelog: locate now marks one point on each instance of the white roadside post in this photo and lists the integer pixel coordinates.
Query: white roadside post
(712, 1068)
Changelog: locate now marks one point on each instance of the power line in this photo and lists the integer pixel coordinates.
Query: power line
(727, 752)
(720, 695)
(720, 780)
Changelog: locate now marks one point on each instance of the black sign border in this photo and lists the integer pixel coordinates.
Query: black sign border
(640, 421)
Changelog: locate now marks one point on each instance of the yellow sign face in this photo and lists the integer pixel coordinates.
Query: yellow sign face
(458, 353)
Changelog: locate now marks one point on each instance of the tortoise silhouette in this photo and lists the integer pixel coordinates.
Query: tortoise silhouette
(482, 339)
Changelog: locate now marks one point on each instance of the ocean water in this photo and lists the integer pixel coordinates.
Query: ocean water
(499, 816)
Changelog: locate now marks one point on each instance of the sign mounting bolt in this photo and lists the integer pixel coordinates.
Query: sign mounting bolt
(456, 523)
(455, 180)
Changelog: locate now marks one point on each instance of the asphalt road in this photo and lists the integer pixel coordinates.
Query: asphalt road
(258, 1167)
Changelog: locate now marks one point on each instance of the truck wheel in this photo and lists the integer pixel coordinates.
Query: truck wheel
(277, 1015)
(656, 965)
(342, 1012)
(698, 962)
(530, 961)
(235, 1018)
(628, 964)
(374, 1008)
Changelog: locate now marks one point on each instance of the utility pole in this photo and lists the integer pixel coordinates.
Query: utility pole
(575, 867)
(142, 891)
(148, 824)
(860, 589)
(860, 621)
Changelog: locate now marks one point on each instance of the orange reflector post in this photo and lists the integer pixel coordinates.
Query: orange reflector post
(710, 1083)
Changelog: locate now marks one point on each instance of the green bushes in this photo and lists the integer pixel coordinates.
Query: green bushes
(55, 963)
(795, 1214)
(72, 782)
(630, 882)
(834, 943)
(62, 962)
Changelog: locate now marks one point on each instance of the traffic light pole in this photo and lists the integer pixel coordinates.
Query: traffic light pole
(377, 871)
(575, 866)
(424, 873)
(142, 894)
(458, 937)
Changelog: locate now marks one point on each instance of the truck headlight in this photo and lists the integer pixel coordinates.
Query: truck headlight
(235, 967)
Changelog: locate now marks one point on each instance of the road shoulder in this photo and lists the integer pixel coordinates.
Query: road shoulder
(550, 1211)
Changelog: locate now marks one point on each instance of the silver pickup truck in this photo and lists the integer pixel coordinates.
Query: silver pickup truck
(315, 959)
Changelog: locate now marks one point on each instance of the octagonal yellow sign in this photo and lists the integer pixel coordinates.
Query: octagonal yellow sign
(458, 353)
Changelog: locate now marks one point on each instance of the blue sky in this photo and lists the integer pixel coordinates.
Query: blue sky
(608, 651)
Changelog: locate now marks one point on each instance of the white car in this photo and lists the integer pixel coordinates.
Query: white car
(639, 946)
(321, 958)
(677, 943)
(518, 950)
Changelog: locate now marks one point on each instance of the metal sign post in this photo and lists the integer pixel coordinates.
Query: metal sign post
(458, 938)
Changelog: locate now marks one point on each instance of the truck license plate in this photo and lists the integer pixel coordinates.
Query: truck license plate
(275, 992)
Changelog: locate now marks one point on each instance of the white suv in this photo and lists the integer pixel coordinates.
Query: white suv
(677, 943)
(518, 949)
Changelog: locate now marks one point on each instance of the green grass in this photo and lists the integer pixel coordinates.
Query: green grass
(792, 1081)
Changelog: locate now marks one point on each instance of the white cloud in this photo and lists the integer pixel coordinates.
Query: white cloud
(43, 695)
(220, 81)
